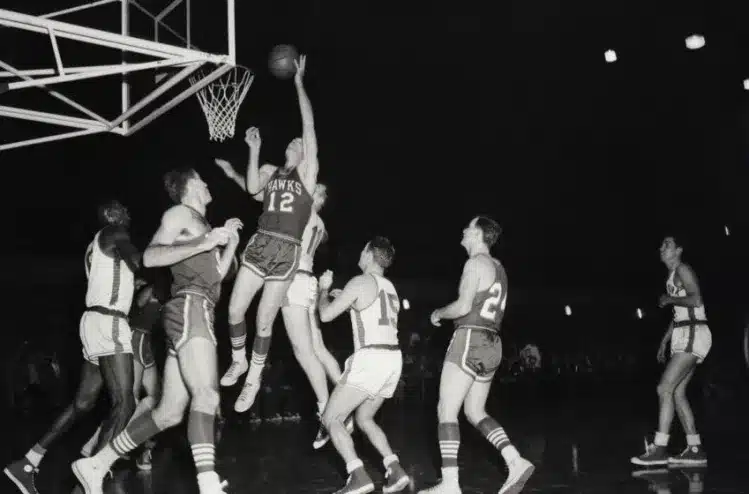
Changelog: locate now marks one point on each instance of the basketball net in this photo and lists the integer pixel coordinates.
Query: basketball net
(221, 100)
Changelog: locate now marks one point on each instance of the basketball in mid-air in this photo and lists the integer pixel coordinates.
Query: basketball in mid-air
(281, 61)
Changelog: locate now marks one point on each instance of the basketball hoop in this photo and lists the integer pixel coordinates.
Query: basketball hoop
(221, 100)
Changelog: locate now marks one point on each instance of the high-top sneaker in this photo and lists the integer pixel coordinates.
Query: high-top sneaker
(519, 471)
(323, 437)
(396, 479)
(692, 456)
(210, 483)
(443, 487)
(234, 372)
(22, 474)
(653, 456)
(90, 474)
(358, 483)
(246, 397)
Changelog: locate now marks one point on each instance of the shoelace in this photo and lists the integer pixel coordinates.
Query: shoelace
(233, 368)
(245, 391)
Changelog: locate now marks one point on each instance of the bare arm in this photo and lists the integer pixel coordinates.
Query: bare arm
(689, 281)
(329, 310)
(310, 166)
(163, 252)
(116, 240)
(469, 283)
(257, 178)
(231, 174)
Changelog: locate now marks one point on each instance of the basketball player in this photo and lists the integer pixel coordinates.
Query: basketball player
(111, 261)
(373, 371)
(473, 357)
(690, 343)
(272, 255)
(186, 243)
(143, 317)
(298, 310)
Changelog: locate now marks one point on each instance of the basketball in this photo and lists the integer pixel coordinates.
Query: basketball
(281, 61)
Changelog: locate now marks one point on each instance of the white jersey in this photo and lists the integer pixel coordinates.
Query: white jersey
(312, 237)
(110, 281)
(682, 314)
(378, 323)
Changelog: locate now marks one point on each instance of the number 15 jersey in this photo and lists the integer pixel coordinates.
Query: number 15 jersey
(488, 307)
(287, 205)
(377, 324)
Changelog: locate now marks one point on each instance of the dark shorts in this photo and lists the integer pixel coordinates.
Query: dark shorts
(187, 316)
(142, 350)
(478, 352)
(271, 257)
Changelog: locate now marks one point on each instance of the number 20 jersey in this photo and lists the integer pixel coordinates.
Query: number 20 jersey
(287, 206)
(488, 307)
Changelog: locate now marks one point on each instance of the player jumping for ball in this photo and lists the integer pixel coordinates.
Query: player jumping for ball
(272, 254)
(111, 261)
(472, 359)
(299, 308)
(372, 373)
(690, 343)
(186, 243)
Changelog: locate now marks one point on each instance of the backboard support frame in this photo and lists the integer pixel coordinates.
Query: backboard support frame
(188, 59)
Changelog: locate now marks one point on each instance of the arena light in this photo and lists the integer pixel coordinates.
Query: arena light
(728, 232)
(567, 310)
(610, 56)
(695, 41)
(746, 84)
(639, 313)
(406, 304)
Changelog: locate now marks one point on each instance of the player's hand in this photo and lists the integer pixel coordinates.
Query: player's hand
(216, 237)
(234, 225)
(335, 293)
(435, 319)
(225, 166)
(663, 301)
(300, 65)
(252, 138)
(661, 357)
(326, 280)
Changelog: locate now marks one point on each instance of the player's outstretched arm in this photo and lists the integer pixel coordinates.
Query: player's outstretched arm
(257, 178)
(310, 166)
(230, 173)
(117, 240)
(328, 309)
(469, 283)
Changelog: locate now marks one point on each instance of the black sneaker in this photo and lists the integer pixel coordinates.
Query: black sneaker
(396, 479)
(22, 474)
(654, 456)
(692, 456)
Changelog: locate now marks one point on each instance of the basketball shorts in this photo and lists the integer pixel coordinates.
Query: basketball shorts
(477, 352)
(142, 350)
(103, 335)
(185, 317)
(302, 290)
(271, 257)
(695, 339)
(376, 371)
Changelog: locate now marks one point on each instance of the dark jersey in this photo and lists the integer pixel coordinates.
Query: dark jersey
(488, 305)
(287, 206)
(144, 318)
(199, 273)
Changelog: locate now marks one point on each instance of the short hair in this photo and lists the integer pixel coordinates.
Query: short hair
(113, 213)
(382, 251)
(175, 182)
(679, 240)
(490, 230)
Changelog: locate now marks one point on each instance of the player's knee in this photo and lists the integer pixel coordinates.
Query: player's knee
(447, 411)
(680, 395)
(365, 422)
(166, 416)
(330, 419)
(206, 400)
(665, 389)
(236, 312)
(474, 414)
(84, 404)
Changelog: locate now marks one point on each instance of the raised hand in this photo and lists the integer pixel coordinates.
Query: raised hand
(252, 138)
(300, 65)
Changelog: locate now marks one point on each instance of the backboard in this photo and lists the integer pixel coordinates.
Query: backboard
(109, 65)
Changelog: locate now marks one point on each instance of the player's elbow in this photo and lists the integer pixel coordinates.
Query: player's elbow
(325, 316)
(464, 307)
(148, 260)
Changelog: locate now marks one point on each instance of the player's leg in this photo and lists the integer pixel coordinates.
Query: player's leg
(519, 469)
(270, 303)
(246, 285)
(22, 471)
(678, 367)
(344, 400)
(694, 454)
(117, 371)
(329, 362)
(296, 320)
(397, 478)
(168, 413)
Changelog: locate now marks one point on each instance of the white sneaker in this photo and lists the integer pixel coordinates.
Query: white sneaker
(246, 397)
(520, 470)
(90, 474)
(234, 372)
(209, 483)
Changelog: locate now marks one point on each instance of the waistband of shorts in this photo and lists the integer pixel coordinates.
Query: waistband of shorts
(304, 271)
(280, 236)
(480, 328)
(690, 322)
(381, 346)
(106, 311)
(184, 293)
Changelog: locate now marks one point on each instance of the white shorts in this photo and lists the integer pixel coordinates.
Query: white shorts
(103, 335)
(375, 371)
(695, 339)
(302, 290)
